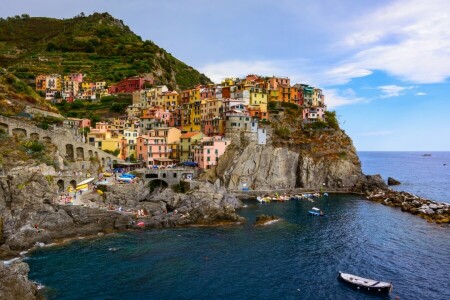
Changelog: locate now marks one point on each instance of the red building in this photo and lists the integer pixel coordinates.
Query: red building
(130, 85)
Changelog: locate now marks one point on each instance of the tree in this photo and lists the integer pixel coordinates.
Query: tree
(330, 117)
(52, 47)
(77, 104)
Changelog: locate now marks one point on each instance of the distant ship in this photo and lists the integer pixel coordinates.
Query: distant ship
(426, 154)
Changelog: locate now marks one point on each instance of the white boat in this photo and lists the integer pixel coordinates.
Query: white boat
(86, 181)
(366, 285)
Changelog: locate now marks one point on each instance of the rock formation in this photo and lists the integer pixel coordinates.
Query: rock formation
(431, 211)
(392, 181)
(318, 159)
(265, 219)
(14, 283)
(29, 215)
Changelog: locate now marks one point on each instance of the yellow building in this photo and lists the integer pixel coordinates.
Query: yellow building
(170, 100)
(130, 135)
(258, 97)
(53, 82)
(187, 140)
(196, 116)
(41, 82)
(112, 144)
(274, 95)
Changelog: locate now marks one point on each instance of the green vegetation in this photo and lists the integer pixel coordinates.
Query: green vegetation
(15, 94)
(98, 45)
(330, 117)
(115, 152)
(33, 147)
(273, 105)
(109, 106)
(283, 132)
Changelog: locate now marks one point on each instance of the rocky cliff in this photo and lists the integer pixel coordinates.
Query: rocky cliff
(14, 283)
(314, 159)
(29, 214)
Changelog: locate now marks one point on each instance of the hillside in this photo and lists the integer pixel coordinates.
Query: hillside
(98, 45)
(15, 95)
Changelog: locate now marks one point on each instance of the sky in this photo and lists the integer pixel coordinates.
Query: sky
(384, 66)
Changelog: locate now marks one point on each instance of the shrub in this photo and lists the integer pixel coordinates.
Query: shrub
(330, 117)
(283, 133)
(317, 125)
(33, 147)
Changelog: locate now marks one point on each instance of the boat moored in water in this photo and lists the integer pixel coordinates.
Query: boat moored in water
(316, 212)
(366, 285)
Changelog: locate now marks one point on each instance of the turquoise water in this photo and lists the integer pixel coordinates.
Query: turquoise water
(296, 258)
(426, 176)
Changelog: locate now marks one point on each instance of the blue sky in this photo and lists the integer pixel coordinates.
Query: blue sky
(384, 65)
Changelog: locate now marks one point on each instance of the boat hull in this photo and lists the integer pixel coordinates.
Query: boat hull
(384, 290)
(315, 213)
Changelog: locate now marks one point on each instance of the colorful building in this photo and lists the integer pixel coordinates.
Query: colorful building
(206, 152)
(186, 142)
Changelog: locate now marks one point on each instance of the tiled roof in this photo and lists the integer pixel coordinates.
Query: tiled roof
(189, 134)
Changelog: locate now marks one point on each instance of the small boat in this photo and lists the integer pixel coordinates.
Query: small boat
(366, 285)
(316, 212)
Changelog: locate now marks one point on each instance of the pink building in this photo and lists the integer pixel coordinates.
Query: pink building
(313, 114)
(76, 123)
(78, 77)
(207, 152)
(207, 93)
(274, 82)
(158, 147)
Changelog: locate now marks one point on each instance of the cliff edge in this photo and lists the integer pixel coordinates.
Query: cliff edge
(294, 156)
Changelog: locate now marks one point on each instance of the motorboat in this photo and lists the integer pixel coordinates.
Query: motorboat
(316, 212)
(366, 285)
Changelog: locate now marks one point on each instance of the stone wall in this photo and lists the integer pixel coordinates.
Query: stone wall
(70, 149)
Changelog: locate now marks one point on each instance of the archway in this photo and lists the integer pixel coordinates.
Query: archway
(34, 136)
(19, 133)
(47, 139)
(157, 183)
(69, 152)
(4, 127)
(80, 153)
(90, 153)
(60, 184)
(73, 183)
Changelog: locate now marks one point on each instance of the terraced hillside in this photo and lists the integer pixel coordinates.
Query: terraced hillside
(98, 45)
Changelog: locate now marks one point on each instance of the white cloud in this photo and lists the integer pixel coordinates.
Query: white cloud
(335, 98)
(408, 39)
(421, 94)
(393, 90)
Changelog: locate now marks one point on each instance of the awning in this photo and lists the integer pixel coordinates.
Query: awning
(163, 159)
(86, 181)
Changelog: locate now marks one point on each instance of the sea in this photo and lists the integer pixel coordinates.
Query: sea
(298, 257)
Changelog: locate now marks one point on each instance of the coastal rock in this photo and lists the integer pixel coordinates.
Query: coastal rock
(324, 159)
(371, 183)
(392, 181)
(265, 219)
(14, 283)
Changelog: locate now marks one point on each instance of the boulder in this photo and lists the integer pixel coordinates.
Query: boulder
(392, 181)
(265, 219)
(14, 283)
